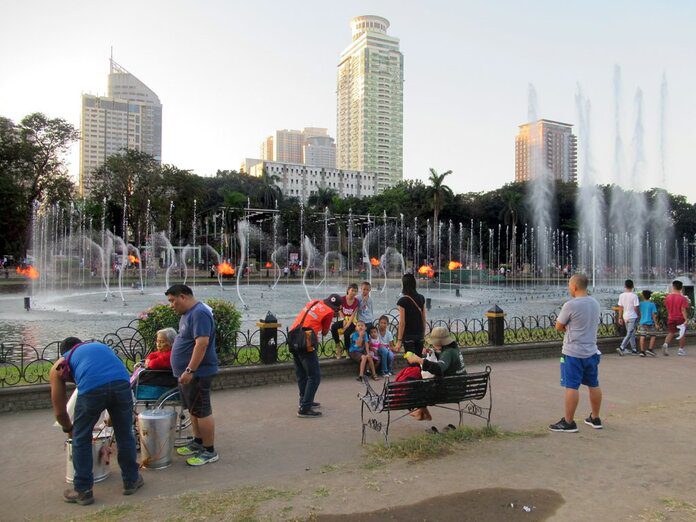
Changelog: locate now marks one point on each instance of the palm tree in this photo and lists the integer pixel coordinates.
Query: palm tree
(270, 191)
(436, 193)
(322, 198)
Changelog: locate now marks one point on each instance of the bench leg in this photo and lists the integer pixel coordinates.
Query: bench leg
(362, 420)
(386, 429)
(461, 414)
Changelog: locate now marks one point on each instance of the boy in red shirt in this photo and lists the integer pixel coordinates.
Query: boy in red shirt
(677, 306)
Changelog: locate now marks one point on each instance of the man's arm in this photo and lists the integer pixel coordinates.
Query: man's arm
(621, 312)
(59, 397)
(199, 350)
(563, 318)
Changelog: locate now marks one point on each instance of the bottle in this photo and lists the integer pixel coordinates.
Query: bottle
(308, 337)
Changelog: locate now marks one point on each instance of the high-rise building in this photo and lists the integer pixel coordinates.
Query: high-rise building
(546, 147)
(319, 151)
(287, 145)
(129, 117)
(370, 102)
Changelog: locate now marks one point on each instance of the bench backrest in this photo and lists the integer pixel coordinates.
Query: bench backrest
(443, 390)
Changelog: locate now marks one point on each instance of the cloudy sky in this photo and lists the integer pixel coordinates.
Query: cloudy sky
(229, 73)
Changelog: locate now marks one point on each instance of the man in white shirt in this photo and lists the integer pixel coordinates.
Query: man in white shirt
(628, 316)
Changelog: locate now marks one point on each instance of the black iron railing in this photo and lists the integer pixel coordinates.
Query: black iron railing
(22, 363)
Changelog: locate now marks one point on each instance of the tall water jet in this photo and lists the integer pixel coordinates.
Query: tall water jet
(661, 221)
(243, 239)
(617, 216)
(636, 211)
(590, 201)
(309, 253)
(542, 183)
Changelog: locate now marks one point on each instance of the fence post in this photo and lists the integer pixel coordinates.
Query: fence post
(496, 326)
(269, 338)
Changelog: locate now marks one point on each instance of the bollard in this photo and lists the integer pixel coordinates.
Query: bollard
(27, 303)
(496, 326)
(456, 292)
(269, 338)
(428, 303)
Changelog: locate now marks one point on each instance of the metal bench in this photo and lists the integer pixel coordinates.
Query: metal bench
(459, 390)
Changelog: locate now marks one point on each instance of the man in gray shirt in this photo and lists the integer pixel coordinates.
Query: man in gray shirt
(579, 319)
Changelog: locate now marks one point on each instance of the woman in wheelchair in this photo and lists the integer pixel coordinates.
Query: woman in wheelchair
(156, 369)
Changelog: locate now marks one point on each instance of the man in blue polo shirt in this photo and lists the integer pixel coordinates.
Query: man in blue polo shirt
(579, 319)
(194, 363)
(102, 383)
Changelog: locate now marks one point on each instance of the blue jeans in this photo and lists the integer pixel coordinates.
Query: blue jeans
(116, 398)
(630, 334)
(386, 358)
(308, 377)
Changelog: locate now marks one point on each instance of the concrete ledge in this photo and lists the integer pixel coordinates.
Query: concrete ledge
(32, 397)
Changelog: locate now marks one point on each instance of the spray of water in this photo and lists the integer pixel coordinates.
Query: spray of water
(243, 240)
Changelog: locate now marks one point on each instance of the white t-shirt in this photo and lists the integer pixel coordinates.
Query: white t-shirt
(629, 302)
(386, 339)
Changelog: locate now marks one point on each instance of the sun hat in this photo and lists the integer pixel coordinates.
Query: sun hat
(440, 336)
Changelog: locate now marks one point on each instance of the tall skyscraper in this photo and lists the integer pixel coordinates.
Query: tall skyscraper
(546, 146)
(370, 102)
(129, 117)
(319, 151)
(287, 145)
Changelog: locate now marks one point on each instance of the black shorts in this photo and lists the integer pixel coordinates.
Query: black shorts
(195, 396)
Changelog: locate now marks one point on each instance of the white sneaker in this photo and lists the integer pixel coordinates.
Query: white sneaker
(664, 349)
(682, 330)
(681, 351)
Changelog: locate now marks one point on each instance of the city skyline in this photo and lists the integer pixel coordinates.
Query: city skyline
(466, 75)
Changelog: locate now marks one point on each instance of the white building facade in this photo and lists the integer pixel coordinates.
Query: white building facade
(129, 117)
(301, 181)
(370, 102)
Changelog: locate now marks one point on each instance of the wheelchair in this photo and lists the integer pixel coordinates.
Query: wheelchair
(160, 389)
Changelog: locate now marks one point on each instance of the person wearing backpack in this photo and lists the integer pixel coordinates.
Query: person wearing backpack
(315, 318)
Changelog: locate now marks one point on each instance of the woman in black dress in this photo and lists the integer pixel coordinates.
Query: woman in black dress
(412, 319)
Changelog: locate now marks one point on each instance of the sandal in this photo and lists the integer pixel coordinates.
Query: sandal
(450, 427)
(432, 430)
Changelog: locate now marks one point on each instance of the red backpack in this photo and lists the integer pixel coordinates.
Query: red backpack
(410, 373)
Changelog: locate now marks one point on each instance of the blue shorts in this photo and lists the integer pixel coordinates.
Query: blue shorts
(576, 371)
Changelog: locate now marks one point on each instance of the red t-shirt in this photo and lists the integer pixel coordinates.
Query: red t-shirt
(319, 318)
(349, 309)
(675, 303)
(159, 360)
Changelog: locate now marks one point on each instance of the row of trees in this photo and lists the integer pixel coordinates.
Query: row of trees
(32, 169)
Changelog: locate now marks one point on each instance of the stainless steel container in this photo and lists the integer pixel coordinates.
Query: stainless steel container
(100, 458)
(157, 429)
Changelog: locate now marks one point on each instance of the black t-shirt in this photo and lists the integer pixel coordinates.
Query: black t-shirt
(414, 317)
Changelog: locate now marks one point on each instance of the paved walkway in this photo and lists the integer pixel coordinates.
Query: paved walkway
(260, 440)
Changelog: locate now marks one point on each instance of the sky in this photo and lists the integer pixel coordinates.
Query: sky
(229, 73)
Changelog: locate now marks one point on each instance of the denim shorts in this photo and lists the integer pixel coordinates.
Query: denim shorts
(576, 371)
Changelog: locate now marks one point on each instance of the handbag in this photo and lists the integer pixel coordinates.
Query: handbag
(63, 369)
(302, 340)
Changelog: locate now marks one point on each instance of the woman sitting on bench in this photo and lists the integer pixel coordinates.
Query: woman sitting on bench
(449, 361)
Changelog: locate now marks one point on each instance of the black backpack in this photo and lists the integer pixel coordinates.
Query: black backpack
(302, 340)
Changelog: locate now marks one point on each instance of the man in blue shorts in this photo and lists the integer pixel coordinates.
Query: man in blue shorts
(579, 319)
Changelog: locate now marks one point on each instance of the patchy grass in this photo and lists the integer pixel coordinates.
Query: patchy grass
(117, 512)
(670, 509)
(321, 492)
(430, 446)
(234, 504)
(330, 468)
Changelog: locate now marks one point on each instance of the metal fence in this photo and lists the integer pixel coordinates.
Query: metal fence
(22, 364)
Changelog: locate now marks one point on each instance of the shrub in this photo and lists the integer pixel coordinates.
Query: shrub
(227, 322)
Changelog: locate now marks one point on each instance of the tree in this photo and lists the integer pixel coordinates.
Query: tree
(322, 198)
(32, 169)
(270, 192)
(436, 193)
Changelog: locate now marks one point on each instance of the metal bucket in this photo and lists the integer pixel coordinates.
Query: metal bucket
(100, 459)
(156, 429)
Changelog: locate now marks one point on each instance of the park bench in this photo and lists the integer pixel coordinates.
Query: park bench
(459, 390)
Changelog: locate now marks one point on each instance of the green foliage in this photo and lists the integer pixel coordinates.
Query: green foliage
(227, 322)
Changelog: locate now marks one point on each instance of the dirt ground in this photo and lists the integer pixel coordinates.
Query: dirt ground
(274, 466)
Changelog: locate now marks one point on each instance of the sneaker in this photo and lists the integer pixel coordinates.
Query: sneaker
(204, 457)
(634, 352)
(664, 350)
(595, 422)
(83, 498)
(190, 449)
(681, 351)
(682, 331)
(650, 352)
(642, 354)
(131, 487)
(359, 378)
(308, 413)
(562, 425)
(316, 405)
(621, 351)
